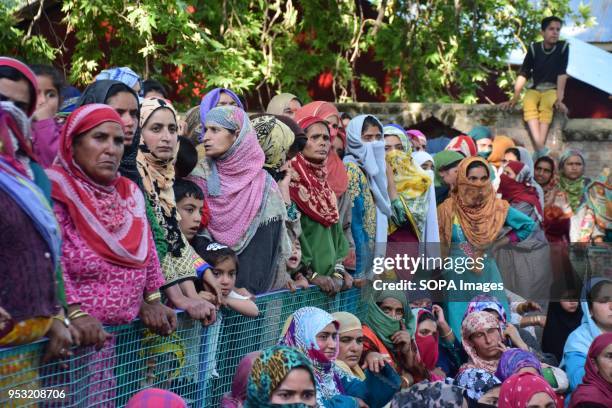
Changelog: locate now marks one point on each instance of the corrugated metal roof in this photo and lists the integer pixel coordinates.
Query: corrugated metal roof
(601, 32)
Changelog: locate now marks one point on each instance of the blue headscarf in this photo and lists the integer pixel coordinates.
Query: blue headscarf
(211, 99)
(438, 144)
(122, 74)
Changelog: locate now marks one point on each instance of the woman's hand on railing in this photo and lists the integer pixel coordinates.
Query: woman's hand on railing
(326, 284)
(199, 309)
(158, 318)
(60, 341)
(90, 331)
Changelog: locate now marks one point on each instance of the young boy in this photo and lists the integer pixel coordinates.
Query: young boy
(545, 64)
(219, 275)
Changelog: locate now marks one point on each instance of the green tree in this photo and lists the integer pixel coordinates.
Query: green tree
(433, 50)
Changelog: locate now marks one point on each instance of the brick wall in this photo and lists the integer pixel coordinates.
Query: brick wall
(593, 136)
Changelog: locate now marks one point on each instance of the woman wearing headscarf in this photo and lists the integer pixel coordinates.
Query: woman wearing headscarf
(445, 164)
(414, 216)
(387, 331)
(596, 387)
(122, 74)
(32, 291)
(482, 341)
(437, 144)
(515, 361)
(418, 140)
(501, 143)
(218, 97)
(399, 132)
(268, 386)
(430, 395)
(464, 145)
(375, 387)
(248, 210)
(562, 317)
(108, 257)
(313, 332)
(526, 390)
(336, 173)
(596, 304)
(285, 104)
(557, 212)
(324, 246)
(593, 221)
(427, 340)
(524, 266)
(238, 393)
(367, 189)
(571, 176)
(472, 220)
(275, 139)
(484, 140)
(424, 160)
(155, 159)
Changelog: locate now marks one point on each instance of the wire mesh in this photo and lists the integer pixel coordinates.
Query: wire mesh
(195, 362)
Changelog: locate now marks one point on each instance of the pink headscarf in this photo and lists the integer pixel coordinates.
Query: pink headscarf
(418, 135)
(156, 398)
(235, 189)
(594, 389)
(336, 172)
(478, 322)
(518, 389)
(237, 396)
(463, 144)
(27, 72)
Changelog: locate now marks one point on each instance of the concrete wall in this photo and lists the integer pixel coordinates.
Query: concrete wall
(593, 136)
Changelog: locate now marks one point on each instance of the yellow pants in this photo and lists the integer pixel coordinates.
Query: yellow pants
(539, 105)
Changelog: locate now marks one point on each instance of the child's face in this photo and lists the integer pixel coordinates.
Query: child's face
(190, 210)
(296, 256)
(47, 96)
(225, 275)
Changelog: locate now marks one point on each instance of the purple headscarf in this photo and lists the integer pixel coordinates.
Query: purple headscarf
(513, 360)
(211, 99)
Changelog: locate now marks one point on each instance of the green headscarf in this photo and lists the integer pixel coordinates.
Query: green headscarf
(383, 325)
(480, 132)
(575, 189)
(442, 159)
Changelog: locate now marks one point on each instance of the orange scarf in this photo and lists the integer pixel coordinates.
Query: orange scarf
(480, 214)
(500, 145)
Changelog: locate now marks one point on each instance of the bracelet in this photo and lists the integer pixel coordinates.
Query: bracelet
(151, 297)
(76, 314)
(338, 275)
(62, 319)
(450, 332)
(313, 276)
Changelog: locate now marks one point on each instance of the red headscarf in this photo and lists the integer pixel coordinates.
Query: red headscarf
(516, 190)
(309, 187)
(27, 72)
(594, 388)
(336, 172)
(110, 218)
(463, 144)
(518, 389)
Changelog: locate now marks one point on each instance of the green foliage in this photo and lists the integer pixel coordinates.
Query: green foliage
(432, 50)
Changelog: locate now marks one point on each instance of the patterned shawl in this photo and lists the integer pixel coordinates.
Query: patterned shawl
(310, 191)
(158, 178)
(236, 186)
(122, 74)
(599, 199)
(476, 381)
(336, 172)
(211, 99)
(473, 323)
(412, 183)
(483, 303)
(463, 144)
(275, 139)
(429, 394)
(301, 334)
(269, 371)
(110, 218)
(480, 219)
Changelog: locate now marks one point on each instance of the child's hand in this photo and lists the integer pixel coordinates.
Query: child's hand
(244, 292)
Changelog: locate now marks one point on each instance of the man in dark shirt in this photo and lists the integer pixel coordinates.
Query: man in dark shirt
(544, 65)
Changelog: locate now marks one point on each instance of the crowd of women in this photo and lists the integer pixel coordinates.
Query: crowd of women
(115, 207)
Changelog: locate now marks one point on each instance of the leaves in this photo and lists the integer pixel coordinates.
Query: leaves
(431, 50)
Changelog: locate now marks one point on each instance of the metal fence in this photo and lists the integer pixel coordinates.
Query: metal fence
(195, 362)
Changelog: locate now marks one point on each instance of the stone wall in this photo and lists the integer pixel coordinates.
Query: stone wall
(593, 136)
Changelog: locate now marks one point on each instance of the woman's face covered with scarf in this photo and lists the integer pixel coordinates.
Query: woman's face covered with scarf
(475, 185)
